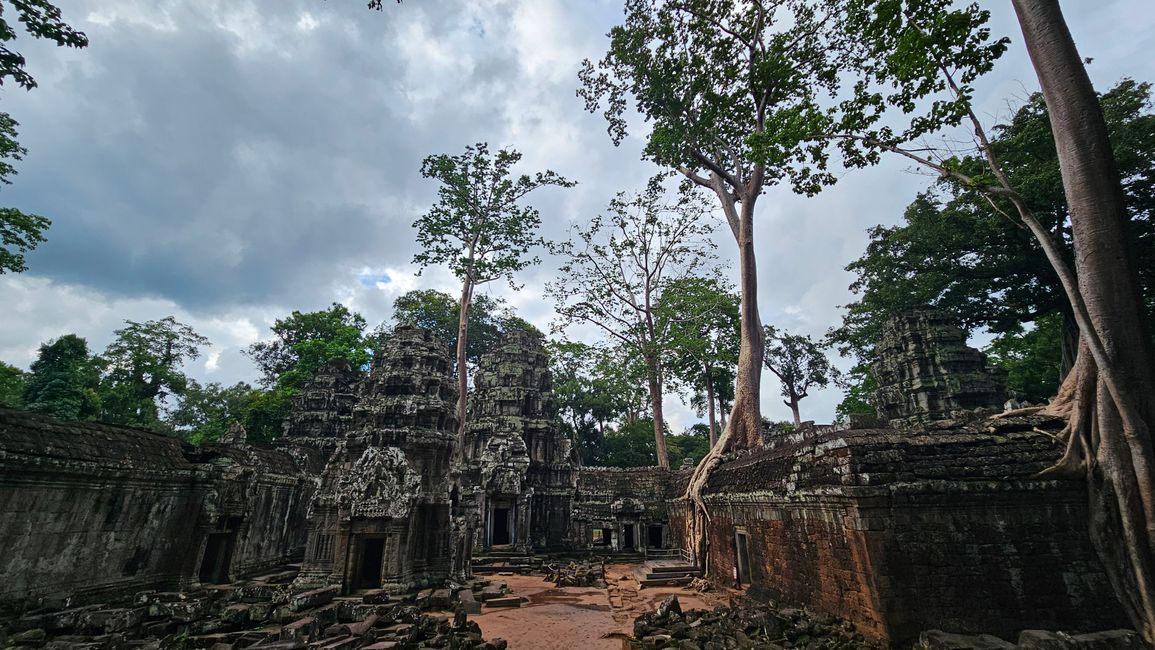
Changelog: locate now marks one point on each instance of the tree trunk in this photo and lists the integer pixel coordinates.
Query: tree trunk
(462, 374)
(1069, 340)
(710, 405)
(793, 404)
(746, 413)
(744, 428)
(655, 384)
(1112, 425)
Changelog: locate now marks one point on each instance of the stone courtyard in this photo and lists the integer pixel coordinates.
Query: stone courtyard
(364, 527)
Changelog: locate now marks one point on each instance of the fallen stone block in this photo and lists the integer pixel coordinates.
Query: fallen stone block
(439, 599)
(510, 601)
(299, 630)
(339, 643)
(1110, 640)
(314, 598)
(939, 640)
(383, 645)
(375, 597)
(468, 602)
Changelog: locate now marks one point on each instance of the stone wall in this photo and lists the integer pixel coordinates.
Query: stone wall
(899, 533)
(90, 510)
(623, 503)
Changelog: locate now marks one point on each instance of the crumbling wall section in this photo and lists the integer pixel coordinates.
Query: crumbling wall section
(903, 532)
(92, 510)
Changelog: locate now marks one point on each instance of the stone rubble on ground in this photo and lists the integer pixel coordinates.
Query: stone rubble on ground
(260, 615)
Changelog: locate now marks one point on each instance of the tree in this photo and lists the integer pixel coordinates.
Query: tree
(594, 387)
(616, 270)
(20, 232)
(703, 338)
(12, 383)
(304, 342)
(692, 444)
(799, 363)
(919, 48)
(860, 387)
(1111, 391)
(205, 413)
(1032, 359)
(632, 445)
(143, 367)
(63, 380)
(440, 312)
(733, 92)
(958, 251)
(480, 230)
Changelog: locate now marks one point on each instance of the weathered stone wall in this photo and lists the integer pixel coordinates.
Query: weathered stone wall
(903, 532)
(91, 510)
(624, 502)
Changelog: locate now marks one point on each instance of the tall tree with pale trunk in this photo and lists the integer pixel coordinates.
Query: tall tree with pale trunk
(617, 269)
(730, 90)
(480, 230)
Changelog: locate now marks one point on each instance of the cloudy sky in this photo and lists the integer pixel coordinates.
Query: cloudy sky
(229, 161)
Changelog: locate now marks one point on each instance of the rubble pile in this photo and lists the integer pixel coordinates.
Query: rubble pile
(256, 614)
(747, 626)
(577, 574)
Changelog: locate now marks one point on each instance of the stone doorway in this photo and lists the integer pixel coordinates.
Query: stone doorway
(501, 527)
(655, 540)
(742, 545)
(628, 537)
(371, 552)
(217, 558)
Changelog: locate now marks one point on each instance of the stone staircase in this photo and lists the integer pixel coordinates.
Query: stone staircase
(666, 567)
(506, 561)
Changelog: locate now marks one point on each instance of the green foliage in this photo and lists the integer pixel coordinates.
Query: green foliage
(143, 366)
(265, 414)
(440, 312)
(860, 387)
(41, 19)
(594, 387)
(19, 232)
(63, 380)
(632, 445)
(12, 383)
(693, 443)
(1032, 359)
(799, 363)
(956, 251)
(616, 270)
(303, 343)
(703, 334)
(478, 228)
(730, 89)
(306, 341)
(206, 412)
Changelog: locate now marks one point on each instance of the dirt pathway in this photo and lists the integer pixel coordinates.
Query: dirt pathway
(579, 617)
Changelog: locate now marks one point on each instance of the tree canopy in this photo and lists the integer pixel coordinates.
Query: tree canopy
(63, 380)
(440, 312)
(143, 366)
(800, 364)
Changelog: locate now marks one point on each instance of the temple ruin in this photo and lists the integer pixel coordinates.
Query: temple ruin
(937, 521)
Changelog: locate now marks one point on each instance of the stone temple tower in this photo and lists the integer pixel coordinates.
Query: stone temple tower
(926, 372)
(521, 462)
(380, 518)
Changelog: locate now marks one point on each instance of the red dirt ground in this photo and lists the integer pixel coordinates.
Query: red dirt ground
(580, 617)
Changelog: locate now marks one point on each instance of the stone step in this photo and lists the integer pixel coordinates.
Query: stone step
(508, 601)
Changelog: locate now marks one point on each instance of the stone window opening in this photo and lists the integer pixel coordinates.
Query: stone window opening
(742, 557)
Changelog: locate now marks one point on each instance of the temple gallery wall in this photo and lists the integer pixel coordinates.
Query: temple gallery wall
(928, 517)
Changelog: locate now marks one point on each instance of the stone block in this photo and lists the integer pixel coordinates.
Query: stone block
(468, 602)
(939, 640)
(300, 630)
(509, 601)
(315, 598)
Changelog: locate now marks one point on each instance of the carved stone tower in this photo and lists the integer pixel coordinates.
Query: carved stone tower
(380, 518)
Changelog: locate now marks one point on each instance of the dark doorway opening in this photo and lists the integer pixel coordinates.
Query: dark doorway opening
(217, 557)
(369, 563)
(602, 536)
(655, 537)
(742, 542)
(628, 537)
(501, 527)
